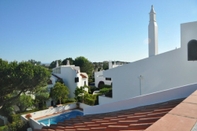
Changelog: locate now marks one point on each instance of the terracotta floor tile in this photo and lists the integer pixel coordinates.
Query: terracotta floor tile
(194, 93)
(172, 123)
(185, 109)
(191, 99)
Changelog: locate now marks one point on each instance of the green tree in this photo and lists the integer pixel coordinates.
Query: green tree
(79, 93)
(34, 62)
(84, 64)
(59, 92)
(105, 65)
(41, 95)
(64, 62)
(20, 78)
(24, 101)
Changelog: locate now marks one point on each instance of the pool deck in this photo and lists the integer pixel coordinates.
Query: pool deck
(55, 114)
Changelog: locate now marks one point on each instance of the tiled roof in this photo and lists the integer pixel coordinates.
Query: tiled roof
(137, 119)
(83, 76)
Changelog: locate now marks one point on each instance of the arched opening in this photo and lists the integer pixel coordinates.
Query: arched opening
(192, 50)
(101, 84)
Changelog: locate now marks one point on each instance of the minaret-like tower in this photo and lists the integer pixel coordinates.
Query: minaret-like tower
(152, 33)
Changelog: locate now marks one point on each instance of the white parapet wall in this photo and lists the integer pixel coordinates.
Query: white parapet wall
(82, 106)
(51, 110)
(148, 99)
(35, 125)
(105, 100)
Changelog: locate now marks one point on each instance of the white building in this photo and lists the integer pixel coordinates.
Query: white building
(158, 71)
(70, 75)
(100, 79)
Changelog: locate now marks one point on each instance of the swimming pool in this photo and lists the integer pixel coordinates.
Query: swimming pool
(61, 117)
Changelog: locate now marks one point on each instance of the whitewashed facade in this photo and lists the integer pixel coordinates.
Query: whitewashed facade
(98, 76)
(158, 72)
(71, 76)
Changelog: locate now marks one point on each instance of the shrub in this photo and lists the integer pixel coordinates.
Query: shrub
(92, 89)
(70, 100)
(104, 91)
(17, 124)
(4, 128)
(90, 99)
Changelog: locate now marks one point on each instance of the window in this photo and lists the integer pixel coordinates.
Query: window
(76, 79)
(192, 50)
(108, 79)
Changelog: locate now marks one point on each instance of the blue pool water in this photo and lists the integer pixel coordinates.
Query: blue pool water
(61, 117)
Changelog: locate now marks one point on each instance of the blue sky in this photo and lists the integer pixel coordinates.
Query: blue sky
(47, 30)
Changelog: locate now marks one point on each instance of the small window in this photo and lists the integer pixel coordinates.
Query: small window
(108, 79)
(192, 50)
(76, 79)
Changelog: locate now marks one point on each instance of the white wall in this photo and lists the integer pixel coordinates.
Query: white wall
(105, 100)
(153, 98)
(160, 72)
(82, 105)
(99, 77)
(82, 80)
(68, 75)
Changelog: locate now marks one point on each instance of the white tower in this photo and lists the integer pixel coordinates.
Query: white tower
(152, 33)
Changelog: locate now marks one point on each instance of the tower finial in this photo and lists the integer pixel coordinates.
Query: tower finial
(152, 9)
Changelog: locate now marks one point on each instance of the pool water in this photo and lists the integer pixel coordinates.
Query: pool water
(61, 117)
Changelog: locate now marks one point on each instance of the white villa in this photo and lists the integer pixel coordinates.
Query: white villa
(159, 71)
(70, 75)
(100, 79)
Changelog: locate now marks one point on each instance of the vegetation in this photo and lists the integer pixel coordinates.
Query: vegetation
(24, 102)
(84, 64)
(16, 124)
(17, 78)
(82, 96)
(41, 95)
(71, 61)
(59, 92)
(106, 90)
(79, 92)
(53, 64)
(34, 62)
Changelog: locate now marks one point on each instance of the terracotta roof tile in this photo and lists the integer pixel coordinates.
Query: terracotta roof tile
(132, 119)
(83, 76)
